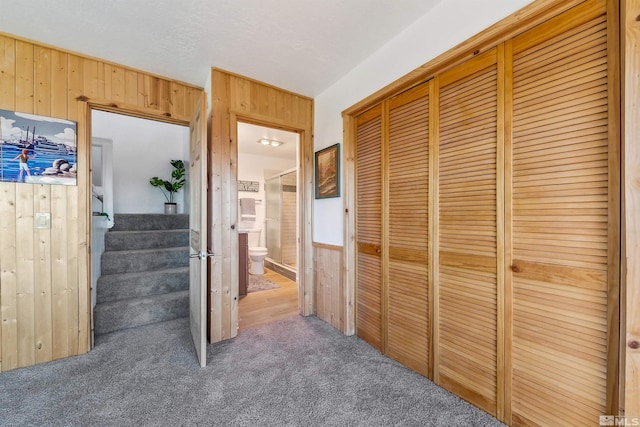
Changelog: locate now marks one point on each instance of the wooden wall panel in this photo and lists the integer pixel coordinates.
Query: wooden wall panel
(369, 228)
(239, 99)
(468, 286)
(408, 305)
(328, 285)
(560, 216)
(45, 308)
(631, 166)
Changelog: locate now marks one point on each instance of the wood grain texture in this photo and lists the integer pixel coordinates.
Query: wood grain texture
(45, 295)
(330, 305)
(408, 336)
(560, 212)
(239, 99)
(468, 287)
(537, 218)
(261, 308)
(368, 177)
(631, 165)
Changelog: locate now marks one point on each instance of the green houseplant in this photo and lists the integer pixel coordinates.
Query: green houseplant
(171, 186)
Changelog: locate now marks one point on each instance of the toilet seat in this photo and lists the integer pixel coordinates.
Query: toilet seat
(258, 250)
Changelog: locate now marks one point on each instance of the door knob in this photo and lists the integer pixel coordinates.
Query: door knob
(515, 268)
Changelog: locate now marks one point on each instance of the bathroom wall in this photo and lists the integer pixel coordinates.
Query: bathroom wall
(252, 168)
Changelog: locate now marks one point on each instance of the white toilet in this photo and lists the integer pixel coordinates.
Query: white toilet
(256, 252)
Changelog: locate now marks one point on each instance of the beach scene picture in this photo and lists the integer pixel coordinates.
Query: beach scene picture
(37, 149)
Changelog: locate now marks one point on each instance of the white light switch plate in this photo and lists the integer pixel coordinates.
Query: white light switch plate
(43, 220)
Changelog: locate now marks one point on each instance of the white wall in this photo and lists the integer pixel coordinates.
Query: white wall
(252, 168)
(446, 25)
(141, 149)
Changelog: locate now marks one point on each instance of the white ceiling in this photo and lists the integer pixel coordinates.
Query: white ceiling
(301, 45)
(248, 136)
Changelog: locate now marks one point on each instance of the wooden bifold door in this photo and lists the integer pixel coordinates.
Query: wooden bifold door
(487, 224)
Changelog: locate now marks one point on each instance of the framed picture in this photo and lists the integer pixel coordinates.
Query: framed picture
(328, 172)
(37, 149)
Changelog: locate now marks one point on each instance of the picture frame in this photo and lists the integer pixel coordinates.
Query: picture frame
(37, 149)
(327, 172)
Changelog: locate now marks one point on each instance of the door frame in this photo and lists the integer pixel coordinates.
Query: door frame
(298, 180)
(86, 108)
(236, 98)
(304, 175)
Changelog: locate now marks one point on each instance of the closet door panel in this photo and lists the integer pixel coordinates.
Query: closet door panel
(560, 220)
(369, 227)
(467, 199)
(408, 198)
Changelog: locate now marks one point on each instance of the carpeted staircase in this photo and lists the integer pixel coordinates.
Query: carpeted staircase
(145, 272)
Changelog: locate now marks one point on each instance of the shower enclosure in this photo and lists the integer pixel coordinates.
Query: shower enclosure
(281, 214)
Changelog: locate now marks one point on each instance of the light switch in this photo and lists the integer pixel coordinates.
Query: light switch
(43, 220)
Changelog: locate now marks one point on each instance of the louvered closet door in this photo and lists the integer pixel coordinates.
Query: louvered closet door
(408, 221)
(561, 220)
(467, 276)
(369, 227)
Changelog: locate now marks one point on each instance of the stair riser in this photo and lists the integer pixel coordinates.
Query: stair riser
(127, 262)
(132, 222)
(120, 241)
(126, 314)
(112, 287)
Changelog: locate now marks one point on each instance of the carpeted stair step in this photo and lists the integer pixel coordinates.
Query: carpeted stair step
(131, 261)
(133, 312)
(113, 287)
(149, 239)
(128, 222)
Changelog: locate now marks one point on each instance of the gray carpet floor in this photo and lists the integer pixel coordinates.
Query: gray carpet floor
(296, 372)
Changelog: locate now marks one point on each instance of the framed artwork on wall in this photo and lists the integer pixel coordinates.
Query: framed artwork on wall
(37, 149)
(327, 173)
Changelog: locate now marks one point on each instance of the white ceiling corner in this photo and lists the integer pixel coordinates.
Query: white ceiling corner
(300, 45)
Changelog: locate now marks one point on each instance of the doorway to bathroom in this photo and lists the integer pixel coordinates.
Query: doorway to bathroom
(268, 223)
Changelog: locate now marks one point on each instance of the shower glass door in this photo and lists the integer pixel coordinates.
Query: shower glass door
(273, 211)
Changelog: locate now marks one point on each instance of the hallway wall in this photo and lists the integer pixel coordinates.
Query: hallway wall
(142, 149)
(45, 279)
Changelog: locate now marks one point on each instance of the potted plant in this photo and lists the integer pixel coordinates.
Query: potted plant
(170, 187)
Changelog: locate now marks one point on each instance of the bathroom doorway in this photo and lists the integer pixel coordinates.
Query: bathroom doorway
(267, 176)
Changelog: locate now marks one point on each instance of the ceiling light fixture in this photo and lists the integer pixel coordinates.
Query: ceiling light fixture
(271, 142)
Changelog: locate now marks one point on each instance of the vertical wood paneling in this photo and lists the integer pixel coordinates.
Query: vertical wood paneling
(631, 136)
(561, 229)
(467, 294)
(131, 87)
(8, 72)
(328, 285)
(25, 272)
(44, 274)
(217, 138)
(408, 328)
(42, 271)
(24, 92)
(369, 227)
(42, 81)
(236, 98)
(8, 278)
(59, 273)
(58, 85)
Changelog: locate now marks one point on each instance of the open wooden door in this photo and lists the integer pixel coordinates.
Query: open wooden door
(198, 229)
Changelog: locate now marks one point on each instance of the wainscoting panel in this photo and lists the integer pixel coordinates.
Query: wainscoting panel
(330, 297)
